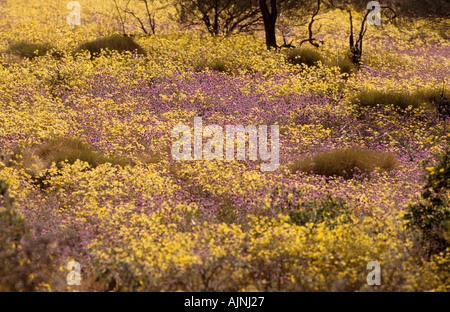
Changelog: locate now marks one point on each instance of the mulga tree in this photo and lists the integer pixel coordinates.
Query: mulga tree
(142, 11)
(293, 11)
(218, 16)
(356, 39)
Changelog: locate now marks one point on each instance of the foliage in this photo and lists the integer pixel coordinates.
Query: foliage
(12, 278)
(302, 213)
(29, 263)
(219, 17)
(217, 65)
(432, 217)
(438, 98)
(325, 210)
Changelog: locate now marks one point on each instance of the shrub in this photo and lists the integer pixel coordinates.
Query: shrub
(307, 56)
(301, 212)
(5, 200)
(327, 209)
(28, 262)
(37, 160)
(112, 43)
(345, 162)
(432, 216)
(29, 50)
(400, 100)
(12, 229)
(315, 212)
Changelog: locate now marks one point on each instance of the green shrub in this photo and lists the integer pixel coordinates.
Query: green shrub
(13, 276)
(112, 43)
(400, 100)
(28, 262)
(218, 65)
(307, 56)
(5, 200)
(325, 210)
(29, 50)
(432, 216)
(345, 162)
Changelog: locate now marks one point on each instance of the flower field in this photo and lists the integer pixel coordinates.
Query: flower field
(135, 219)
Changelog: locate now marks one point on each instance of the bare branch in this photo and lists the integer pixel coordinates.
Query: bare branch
(137, 18)
(390, 9)
(122, 22)
(310, 39)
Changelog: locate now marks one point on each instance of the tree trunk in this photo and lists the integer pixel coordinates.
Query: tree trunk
(271, 39)
(270, 21)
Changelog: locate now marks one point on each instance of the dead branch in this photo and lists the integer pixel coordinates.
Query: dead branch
(310, 39)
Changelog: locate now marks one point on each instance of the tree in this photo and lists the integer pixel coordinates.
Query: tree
(423, 8)
(227, 16)
(143, 11)
(356, 46)
(356, 41)
(219, 16)
(311, 39)
(270, 20)
(293, 11)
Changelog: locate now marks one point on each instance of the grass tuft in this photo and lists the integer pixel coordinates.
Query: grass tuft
(38, 159)
(345, 162)
(112, 43)
(218, 65)
(346, 66)
(28, 49)
(400, 100)
(307, 56)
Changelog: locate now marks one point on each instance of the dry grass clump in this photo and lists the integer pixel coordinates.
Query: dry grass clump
(219, 65)
(39, 158)
(400, 100)
(346, 66)
(437, 97)
(29, 49)
(343, 60)
(345, 162)
(112, 43)
(307, 56)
